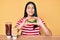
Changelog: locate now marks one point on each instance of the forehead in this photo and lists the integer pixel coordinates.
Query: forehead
(30, 5)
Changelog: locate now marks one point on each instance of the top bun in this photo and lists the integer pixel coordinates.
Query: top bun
(32, 20)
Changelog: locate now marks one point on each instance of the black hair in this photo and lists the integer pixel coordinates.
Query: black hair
(35, 10)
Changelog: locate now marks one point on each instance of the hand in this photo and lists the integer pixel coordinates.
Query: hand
(25, 19)
(39, 22)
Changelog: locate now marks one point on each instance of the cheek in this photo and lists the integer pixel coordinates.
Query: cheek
(27, 11)
(33, 10)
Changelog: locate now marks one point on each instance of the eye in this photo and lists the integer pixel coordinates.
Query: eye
(28, 7)
(32, 7)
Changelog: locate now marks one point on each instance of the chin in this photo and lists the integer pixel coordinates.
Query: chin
(30, 14)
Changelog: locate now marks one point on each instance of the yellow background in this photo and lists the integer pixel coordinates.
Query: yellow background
(12, 10)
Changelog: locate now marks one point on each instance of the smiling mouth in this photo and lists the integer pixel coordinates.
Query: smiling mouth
(30, 12)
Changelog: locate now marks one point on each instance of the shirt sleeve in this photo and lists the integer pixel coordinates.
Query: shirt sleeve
(19, 21)
(42, 21)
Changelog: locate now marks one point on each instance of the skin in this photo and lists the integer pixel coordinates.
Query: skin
(30, 12)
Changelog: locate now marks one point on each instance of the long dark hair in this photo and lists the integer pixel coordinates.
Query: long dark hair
(35, 10)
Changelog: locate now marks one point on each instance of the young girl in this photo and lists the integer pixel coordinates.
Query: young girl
(27, 23)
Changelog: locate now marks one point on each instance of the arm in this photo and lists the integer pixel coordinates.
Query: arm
(20, 24)
(44, 28)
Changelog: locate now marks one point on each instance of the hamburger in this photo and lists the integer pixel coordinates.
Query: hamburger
(32, 20)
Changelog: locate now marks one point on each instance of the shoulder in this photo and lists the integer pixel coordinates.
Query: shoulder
(41, 19)
(20, 21)
(22, 18)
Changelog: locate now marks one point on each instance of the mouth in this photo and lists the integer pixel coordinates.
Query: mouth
(30, 12)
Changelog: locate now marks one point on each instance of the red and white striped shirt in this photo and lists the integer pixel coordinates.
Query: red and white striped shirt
(28, 29)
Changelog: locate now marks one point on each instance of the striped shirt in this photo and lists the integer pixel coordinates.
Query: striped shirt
(28, 29)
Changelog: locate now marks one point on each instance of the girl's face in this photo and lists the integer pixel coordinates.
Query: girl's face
(30, 9)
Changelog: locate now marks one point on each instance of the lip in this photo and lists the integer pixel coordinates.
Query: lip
(30, 12)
